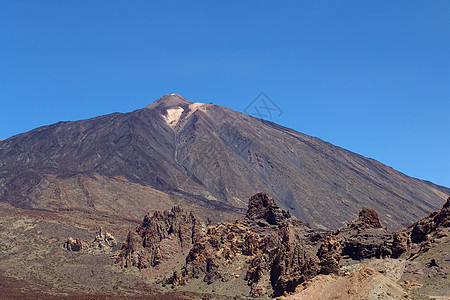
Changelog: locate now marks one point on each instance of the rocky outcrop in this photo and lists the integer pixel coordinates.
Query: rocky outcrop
(365, 237)
(370, 217)
(262, 208)
(329, 255)
(282, 262)
(210, 257)
(161, 235)
(73, 244)
(401, 242)
(423, 234)
(279, 260)
(432, 223)
(367, 244)
(276, 253)
(103, 241)
(446, 204)
(279, 252)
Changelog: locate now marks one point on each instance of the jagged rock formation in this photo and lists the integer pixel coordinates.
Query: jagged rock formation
(210, 257)
(421, 235)
(262, 208)
(160, 236)
(365, 237)
(282, 262)
(401, 241)
(370, 217)
(275, 255)
(275, 251)
(329, 255)
(102, 241)
(432, 223)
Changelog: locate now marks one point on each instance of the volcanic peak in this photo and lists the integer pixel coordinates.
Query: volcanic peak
(169, 100)
(174, 108)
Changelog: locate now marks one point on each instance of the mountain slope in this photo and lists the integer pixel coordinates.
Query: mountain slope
(208, 156)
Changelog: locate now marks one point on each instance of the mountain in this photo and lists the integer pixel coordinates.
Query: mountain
(206, 158)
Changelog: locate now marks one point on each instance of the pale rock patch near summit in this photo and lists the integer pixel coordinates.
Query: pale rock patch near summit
(173, 116)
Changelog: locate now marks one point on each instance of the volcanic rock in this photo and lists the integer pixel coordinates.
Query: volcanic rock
(370, 217)
(209, 257)
(73, 244)
(422, 235)
(400, 244)
(283, 261)
(447, 203)
(365, 237)
(103, 241)
(329, 255)
(431, 223)
(161, 235)
(262, 207)
(277, 254)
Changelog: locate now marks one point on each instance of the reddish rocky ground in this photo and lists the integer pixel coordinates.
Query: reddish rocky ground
(176, 255)
(34, 264)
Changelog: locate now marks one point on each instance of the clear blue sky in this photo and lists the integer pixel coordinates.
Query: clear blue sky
(370, 76)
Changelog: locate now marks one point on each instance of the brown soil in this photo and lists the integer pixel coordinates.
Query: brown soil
(363, 283)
